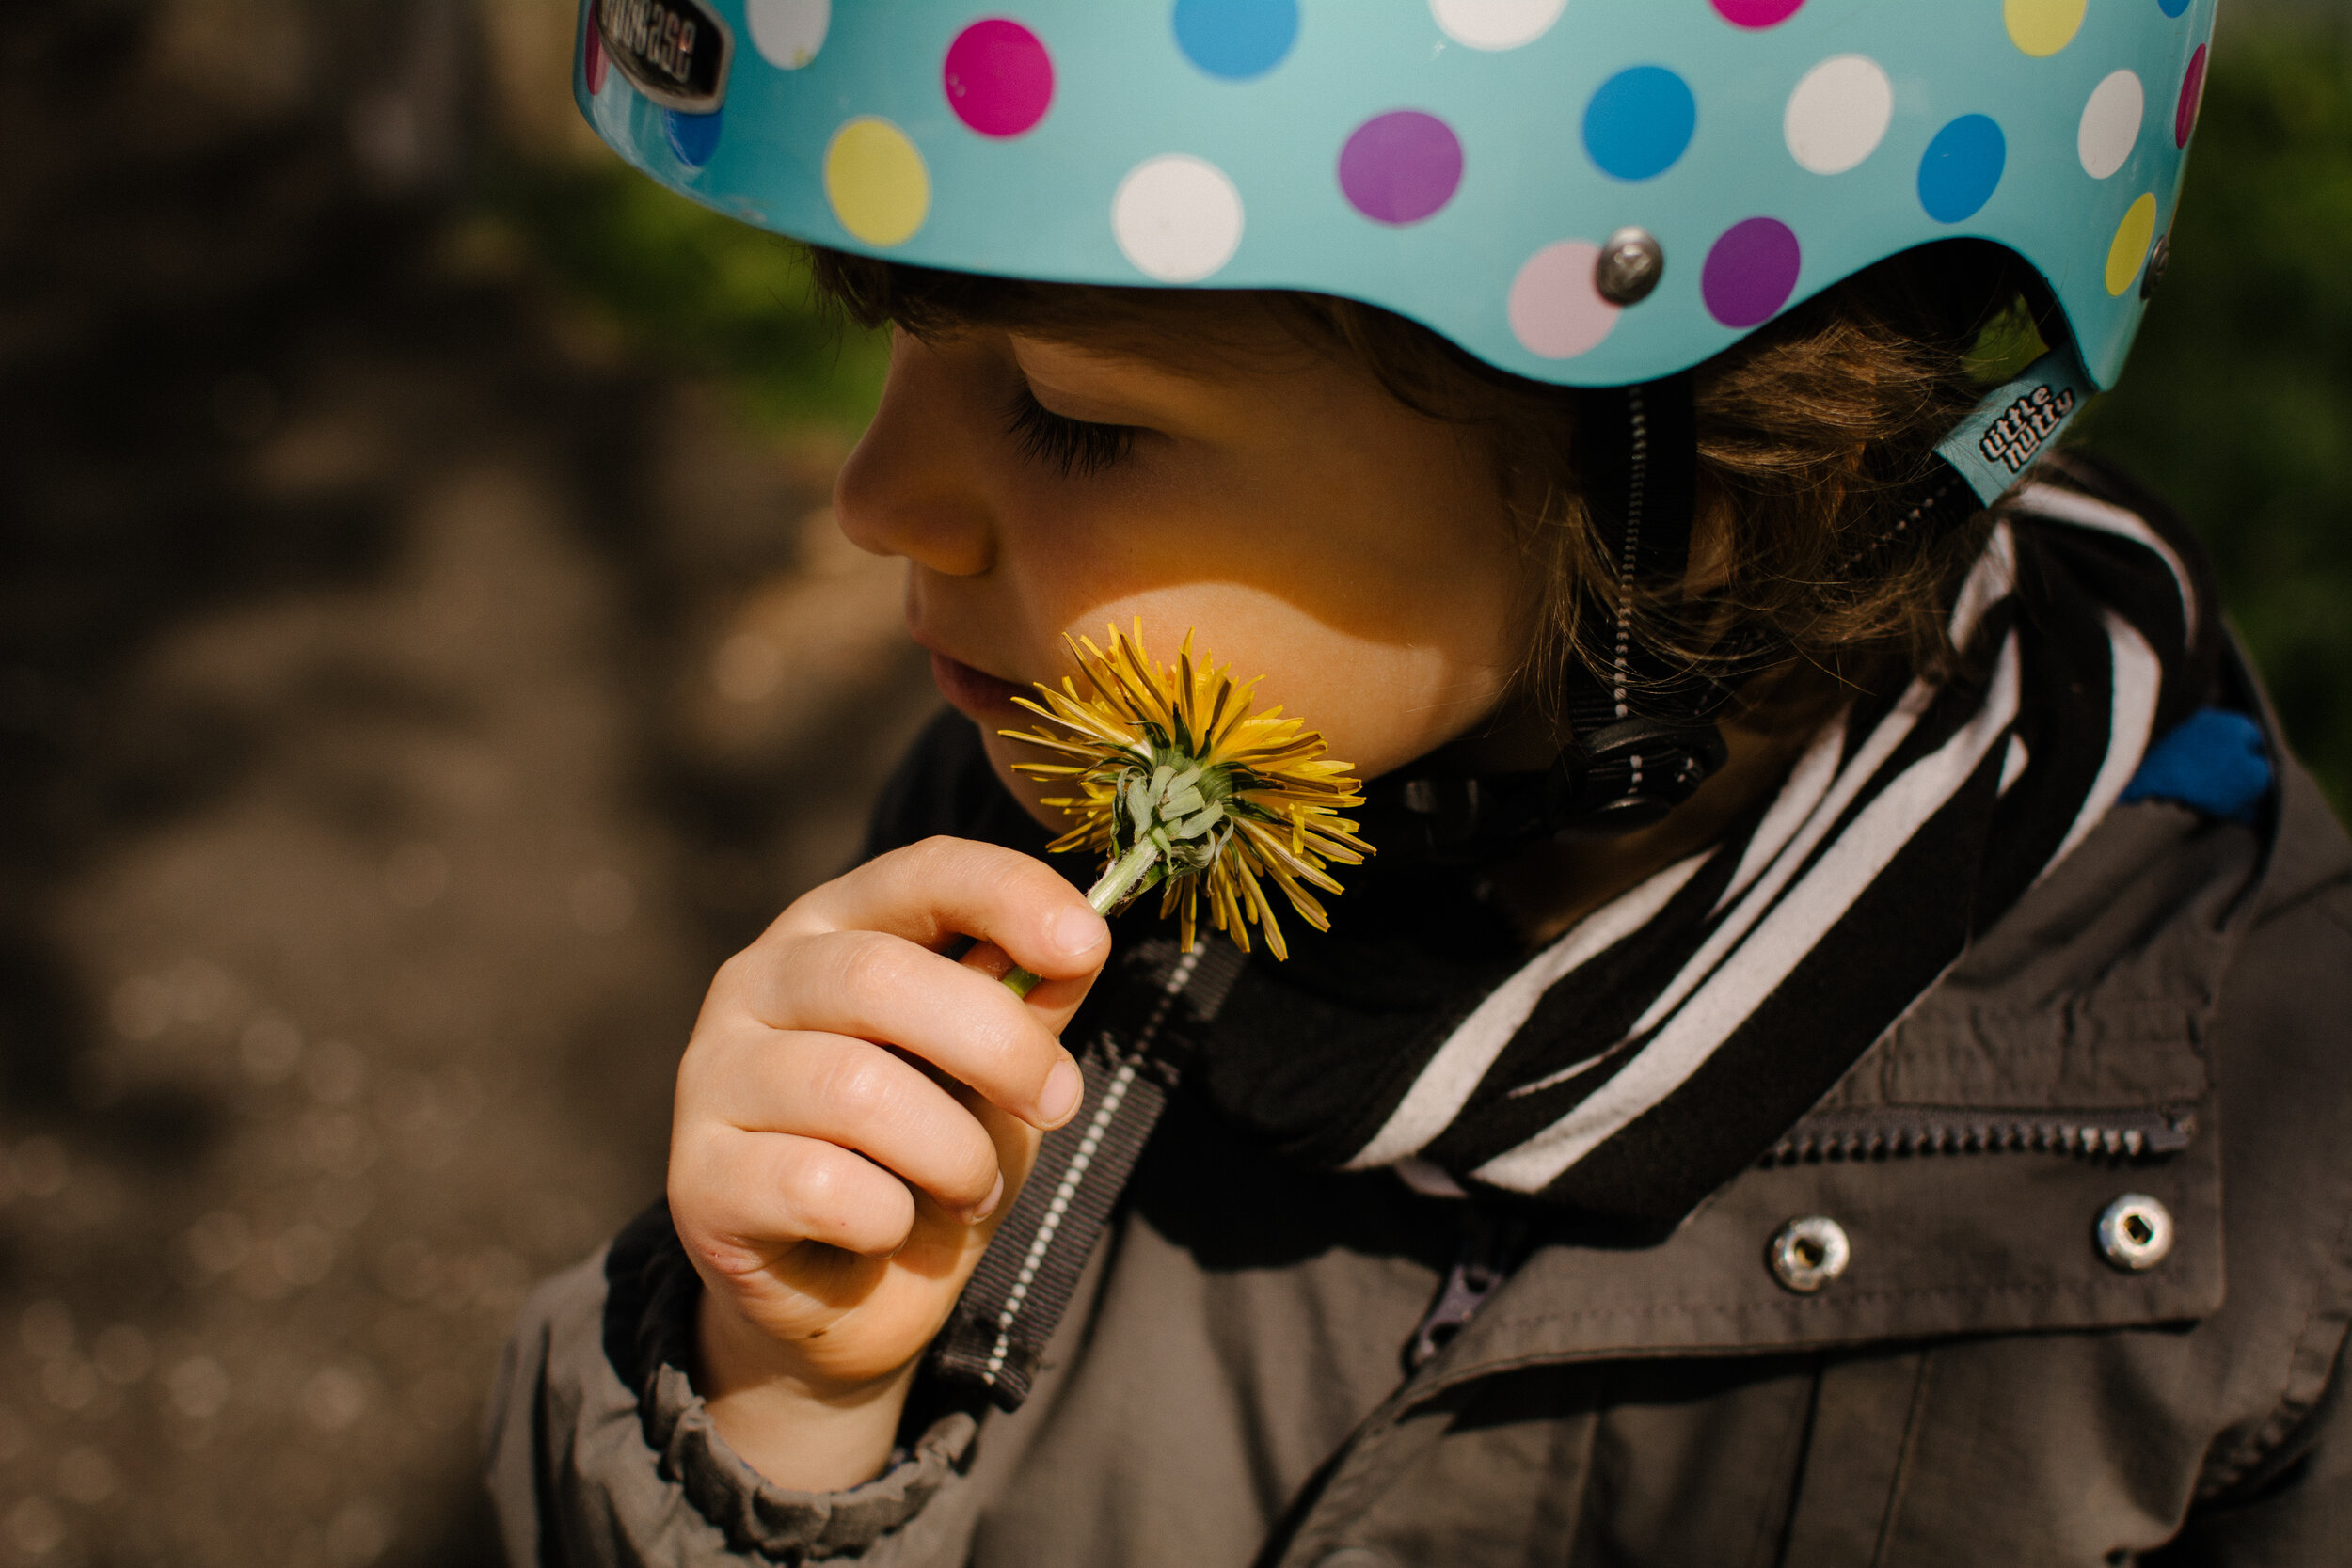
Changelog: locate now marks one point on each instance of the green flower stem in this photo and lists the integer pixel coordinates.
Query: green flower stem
(1106, 895)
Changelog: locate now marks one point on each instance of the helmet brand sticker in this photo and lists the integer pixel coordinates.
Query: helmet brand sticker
(2016, 425)
(674, 51)
(2025, 426)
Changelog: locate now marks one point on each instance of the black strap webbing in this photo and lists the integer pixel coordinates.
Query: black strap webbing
(1132, 1060)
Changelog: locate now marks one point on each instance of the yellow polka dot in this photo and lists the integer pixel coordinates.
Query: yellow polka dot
(876, 181)
(2042, 26)
(2130, 246)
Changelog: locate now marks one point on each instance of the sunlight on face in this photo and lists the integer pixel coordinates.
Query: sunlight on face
(1311, 528)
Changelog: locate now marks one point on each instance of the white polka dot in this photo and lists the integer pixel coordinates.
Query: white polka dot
(2110, 124)
(1177, 217)
(788, 33)
(1496, 23)
(1838, 113)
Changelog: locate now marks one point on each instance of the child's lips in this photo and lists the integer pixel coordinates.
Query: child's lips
(973, 692)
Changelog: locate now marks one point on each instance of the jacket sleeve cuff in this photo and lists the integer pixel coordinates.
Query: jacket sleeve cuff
(649, 1313)
(789, 1526)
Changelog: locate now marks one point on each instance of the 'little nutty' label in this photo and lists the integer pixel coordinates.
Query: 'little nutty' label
(674, 51)
(2024, 425)
(2017, 424)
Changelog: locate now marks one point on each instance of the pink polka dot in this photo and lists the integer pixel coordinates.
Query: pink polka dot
(2192, 94)
(591, 60)
(998, 78)
(1555, 310)
(1758, 13)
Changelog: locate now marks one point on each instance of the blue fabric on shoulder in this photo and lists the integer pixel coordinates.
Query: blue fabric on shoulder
(2214, 762)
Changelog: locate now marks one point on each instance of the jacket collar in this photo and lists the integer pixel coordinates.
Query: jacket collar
(2075, 1031)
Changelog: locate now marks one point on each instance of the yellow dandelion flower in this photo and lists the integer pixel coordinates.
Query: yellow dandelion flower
(1180, 786)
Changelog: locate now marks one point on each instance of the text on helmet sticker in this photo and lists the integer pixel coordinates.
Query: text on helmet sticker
(674, 51)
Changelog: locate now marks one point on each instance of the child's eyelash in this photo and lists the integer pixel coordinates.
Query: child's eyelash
(1077, 447)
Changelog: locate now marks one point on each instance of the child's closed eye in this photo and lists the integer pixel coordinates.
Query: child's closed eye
(1077, 447)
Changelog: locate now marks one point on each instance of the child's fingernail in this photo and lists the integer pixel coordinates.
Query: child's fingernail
(1059, 1101)
(1076, 930)
(987, 1205)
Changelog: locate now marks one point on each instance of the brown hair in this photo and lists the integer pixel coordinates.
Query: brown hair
(1812, 435)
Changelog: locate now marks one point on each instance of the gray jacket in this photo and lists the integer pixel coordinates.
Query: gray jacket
(1979, 1385)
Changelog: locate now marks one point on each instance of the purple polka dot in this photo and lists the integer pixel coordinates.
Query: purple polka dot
(1750, 272)
(1758, 13)
(1401, 166)
(998, 78)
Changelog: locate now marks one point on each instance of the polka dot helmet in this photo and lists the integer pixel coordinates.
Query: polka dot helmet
(1594, 193)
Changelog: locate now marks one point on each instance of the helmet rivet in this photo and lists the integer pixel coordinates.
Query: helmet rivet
(2135, 1233)
(2157, 258)
(1629, 267)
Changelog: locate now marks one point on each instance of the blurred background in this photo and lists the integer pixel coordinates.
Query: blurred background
(425, 654)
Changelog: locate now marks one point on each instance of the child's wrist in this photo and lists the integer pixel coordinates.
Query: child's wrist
(802, 1433)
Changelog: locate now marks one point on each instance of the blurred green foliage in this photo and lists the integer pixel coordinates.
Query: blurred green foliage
(2237, 405)
(695, 290)
(2239, 401)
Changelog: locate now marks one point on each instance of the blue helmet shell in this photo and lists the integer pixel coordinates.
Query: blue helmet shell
(1460, 162)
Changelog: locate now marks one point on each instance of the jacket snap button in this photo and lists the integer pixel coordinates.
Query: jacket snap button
(1808, 1253)
(2136, 1231)
(1356, 1557)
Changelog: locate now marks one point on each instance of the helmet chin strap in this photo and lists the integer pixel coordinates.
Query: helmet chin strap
(1645, 731)
(1644, 727)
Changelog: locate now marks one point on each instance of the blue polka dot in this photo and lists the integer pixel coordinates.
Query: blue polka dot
(1640, 123)
(693, 138)
(2171, 8)
(1961, 169)
(1236, 38)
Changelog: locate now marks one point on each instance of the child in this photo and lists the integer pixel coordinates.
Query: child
(1766, 1101)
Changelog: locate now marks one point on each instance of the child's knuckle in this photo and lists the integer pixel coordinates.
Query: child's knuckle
(936, 856)
(818, 1185)
(857, 1087)
(869, 964)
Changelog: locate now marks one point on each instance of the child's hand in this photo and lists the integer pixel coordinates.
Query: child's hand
(852, 1111)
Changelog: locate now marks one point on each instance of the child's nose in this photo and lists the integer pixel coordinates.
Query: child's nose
(914, 485)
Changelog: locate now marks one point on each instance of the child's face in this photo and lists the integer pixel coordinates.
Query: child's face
(1313, 530)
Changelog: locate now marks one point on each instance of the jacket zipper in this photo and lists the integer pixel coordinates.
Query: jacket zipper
(1898, 1131)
